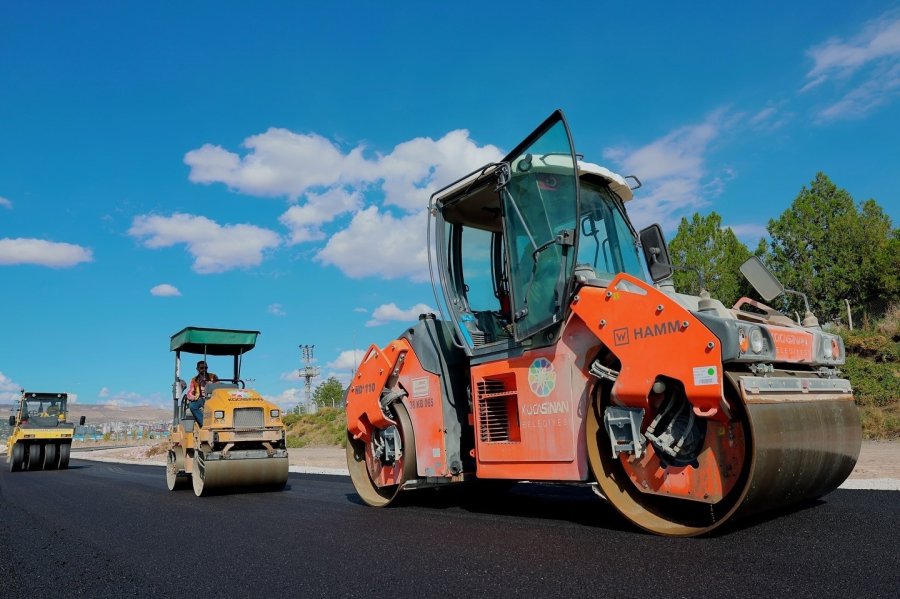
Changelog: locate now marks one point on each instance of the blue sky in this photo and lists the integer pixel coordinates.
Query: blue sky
(265, 167)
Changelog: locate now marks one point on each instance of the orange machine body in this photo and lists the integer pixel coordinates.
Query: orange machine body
(529, 411)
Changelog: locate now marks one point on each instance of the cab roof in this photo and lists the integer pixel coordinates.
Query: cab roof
(213, 342)
(482, 181)
(43, 396)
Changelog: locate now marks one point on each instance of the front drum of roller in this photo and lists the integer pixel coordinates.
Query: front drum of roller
(262, 473)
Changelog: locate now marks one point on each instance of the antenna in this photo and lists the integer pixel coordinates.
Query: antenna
(308, 372)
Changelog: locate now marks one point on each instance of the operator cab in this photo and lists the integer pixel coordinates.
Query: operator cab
(43, 410)
(511, 238)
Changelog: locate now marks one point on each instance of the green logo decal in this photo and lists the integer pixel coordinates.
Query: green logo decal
(542, 377)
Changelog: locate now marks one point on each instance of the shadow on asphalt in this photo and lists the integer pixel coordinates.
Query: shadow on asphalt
(567, 503)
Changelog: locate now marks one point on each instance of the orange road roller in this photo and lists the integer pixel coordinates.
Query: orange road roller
(564, 353)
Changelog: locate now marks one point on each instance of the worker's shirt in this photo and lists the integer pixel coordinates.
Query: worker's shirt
(198, 384)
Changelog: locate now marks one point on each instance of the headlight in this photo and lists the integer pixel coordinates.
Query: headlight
(757, 343)
(828, 347)
(219, 414)
(274, 413)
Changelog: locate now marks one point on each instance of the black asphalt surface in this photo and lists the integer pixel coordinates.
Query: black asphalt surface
(111, 530)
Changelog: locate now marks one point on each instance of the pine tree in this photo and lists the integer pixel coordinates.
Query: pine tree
(702, 244)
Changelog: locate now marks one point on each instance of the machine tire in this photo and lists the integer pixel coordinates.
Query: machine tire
(368, 491)
(17, 458)
(176, 479)
(63, 458)
(35, 456)
(50, 459)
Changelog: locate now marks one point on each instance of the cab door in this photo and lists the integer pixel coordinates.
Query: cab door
(529, 402)
(540, 208)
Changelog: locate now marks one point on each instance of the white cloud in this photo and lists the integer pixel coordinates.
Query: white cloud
(72, 398)
(376, 243)
(104, 392)
(283, 163)
(417, 168)
(749, 232)
(279, 162)
(42, 253)
(289, 397)
(165, 290)
(868, 95)
(304, 221)
(673, 171)
(5, 203)
(390, 312)
(276, 310)
(291, 375)
(867, 64)
(348, 360)
(328, 182)
(9, 390)
(215, 248)
(879, 39)
(344, 377)
(361, 310)
(763, 115)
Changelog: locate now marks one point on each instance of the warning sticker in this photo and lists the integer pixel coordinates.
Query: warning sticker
(420, 387)
(706, 375)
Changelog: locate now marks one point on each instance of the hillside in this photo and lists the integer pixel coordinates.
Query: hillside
(326, 428)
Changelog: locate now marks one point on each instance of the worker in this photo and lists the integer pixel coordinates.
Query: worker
(197, 391)
(198, 383)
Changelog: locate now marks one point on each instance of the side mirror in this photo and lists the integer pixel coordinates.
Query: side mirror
(81, 421)
(656, 253)
(12, 420)
(762, 279)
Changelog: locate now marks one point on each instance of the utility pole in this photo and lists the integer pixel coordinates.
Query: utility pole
(308, 372)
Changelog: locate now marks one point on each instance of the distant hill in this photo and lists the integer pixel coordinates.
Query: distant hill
(105, 413)
(96, 413)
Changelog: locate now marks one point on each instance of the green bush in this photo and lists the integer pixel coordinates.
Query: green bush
(325, 428)
(874, 383)
(290, 419)
(871, 343)
(873, 367)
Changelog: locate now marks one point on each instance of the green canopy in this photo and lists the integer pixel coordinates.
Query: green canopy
(214, 342)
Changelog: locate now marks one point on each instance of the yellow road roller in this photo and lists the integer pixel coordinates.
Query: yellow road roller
(223, 435)
(40, 437)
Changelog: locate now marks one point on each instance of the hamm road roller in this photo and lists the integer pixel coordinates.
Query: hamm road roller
(223, 435)
(564, 354)
(40, 438)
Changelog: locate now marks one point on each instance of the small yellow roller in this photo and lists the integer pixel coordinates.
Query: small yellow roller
(223, 435)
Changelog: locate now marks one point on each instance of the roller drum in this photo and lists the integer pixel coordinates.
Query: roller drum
(801, 450)
(797, 448)
(264, 473)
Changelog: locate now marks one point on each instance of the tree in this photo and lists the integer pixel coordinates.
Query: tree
(703, 244)
(825, 247)
(329, 393)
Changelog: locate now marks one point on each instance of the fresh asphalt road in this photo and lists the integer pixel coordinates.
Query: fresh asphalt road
(112, 530)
